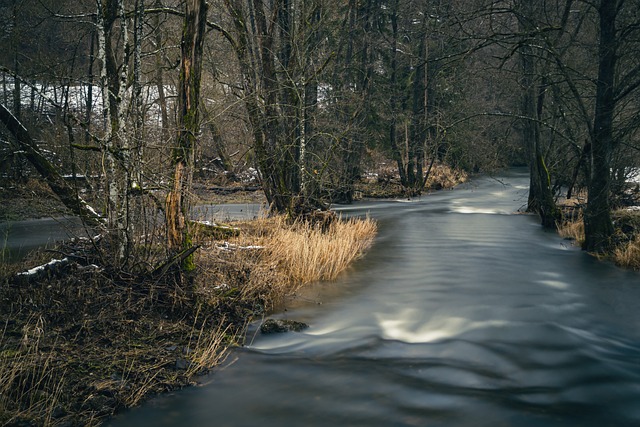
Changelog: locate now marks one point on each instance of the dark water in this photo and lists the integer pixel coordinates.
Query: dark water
(462, 314)
(228, 212)
(17, 238)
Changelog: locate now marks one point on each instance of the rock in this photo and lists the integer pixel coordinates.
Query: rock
(275, 326)
(58, 412)
(182, 364)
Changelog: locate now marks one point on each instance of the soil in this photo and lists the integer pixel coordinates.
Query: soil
(78, 343)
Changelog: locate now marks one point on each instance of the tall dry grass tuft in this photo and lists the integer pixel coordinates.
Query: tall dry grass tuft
(306, 253)
(444, 176)
(572, 229)
(628, 254)
(209, 348)
(30, 386)
(272, 258)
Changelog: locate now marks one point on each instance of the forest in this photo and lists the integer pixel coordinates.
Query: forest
(123, 108)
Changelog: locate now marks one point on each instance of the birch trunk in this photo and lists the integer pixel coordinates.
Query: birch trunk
(115, 147)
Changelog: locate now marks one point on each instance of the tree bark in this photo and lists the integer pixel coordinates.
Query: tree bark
(597, 219)
(541, 199)
(177, 204)
(65, 192)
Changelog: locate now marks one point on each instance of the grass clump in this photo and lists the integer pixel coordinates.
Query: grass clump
(626, 247)
(306, 253)
(273, 257)
(627, 251)
(572, 228)
(628, 254)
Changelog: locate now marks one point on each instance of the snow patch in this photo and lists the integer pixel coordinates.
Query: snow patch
(38, 269)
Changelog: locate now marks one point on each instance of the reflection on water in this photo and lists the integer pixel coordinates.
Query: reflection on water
(462, 314)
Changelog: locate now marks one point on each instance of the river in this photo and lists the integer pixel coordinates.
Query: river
(462, 314)
(18, 238)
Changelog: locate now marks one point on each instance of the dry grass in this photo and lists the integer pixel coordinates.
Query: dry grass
(75, 349)
(444, 176)
(30, 383)
(305, 253)
(272, 258)
(628, 254)
(572, 229)
(209, 347)
(627, 251)
(77, 346)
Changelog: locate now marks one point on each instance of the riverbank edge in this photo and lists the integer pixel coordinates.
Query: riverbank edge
(625, 247)
(69, 359)
(81, 343)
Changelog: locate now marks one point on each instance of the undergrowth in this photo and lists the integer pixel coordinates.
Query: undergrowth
(84, 342)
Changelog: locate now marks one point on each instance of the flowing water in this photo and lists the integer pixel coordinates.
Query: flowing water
(462, 314)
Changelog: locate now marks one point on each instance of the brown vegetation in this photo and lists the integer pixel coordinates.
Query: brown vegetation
(383, 180)
(572, 227)
(83, 342)
(625, 250)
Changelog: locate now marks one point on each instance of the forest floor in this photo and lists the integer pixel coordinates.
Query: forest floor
(81, 341)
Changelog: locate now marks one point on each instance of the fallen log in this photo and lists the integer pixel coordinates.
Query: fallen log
(58, 184)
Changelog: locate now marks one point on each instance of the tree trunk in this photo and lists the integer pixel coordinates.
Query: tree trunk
(541, 198)
(159, 75)
(597, 219)
(417, 138)
(115, 148)
(177, 205)
(65, 192)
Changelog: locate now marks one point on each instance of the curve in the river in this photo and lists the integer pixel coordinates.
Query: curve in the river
(462, 314)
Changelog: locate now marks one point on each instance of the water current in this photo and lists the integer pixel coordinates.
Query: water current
(464, 313)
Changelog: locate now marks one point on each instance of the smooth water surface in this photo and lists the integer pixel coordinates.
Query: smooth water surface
(464, 313)
(17, 238)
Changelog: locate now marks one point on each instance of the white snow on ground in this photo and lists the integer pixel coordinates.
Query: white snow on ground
(226, 246)
(40, 268)
(213, 224)
(41, 96)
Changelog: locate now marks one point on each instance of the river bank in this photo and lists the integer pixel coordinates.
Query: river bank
(80, 341)
(625, 250)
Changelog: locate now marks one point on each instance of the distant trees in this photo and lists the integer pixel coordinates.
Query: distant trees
(311, 87)
(280, 57)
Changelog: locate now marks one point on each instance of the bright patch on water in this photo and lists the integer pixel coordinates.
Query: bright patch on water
(554, 284)
(406, 327)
